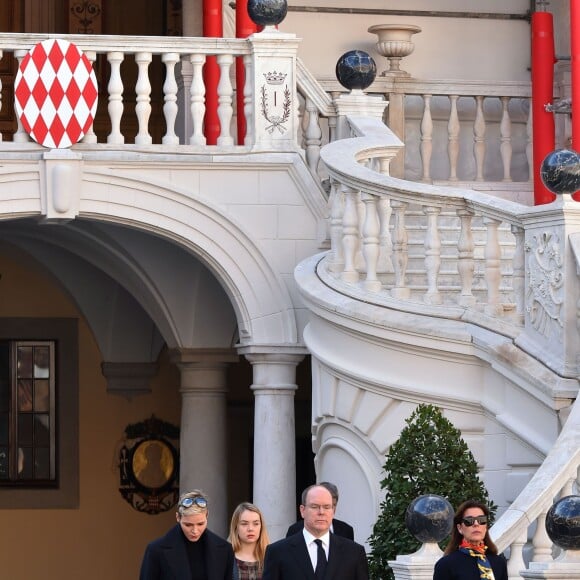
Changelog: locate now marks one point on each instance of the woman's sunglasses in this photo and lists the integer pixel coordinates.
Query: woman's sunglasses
(470, 520)
(188, 502)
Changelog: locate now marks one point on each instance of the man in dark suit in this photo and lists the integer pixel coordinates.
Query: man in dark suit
(337, 527)
(189, 551)
(314, 553)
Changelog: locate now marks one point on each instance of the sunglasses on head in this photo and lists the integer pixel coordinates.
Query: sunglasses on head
(470, 520)
(188, 502)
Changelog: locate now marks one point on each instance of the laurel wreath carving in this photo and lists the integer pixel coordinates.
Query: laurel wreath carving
(276, 121)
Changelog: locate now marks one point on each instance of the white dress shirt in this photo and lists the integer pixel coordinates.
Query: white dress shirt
(313, 547)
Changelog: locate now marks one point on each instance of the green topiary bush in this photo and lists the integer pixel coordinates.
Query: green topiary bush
(430, 456)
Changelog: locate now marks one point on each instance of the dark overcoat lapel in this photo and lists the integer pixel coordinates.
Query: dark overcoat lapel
(300, 554)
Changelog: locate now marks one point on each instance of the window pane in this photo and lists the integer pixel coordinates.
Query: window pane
(4, 463)
(41, 396)
(41, 429)
(24, 362)
(42, 463)
(4, 377)
(24, 396)
(41, 362)
(25, 463)
(25, 430)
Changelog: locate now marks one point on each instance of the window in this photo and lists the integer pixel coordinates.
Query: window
(39, 413)
(27, 413)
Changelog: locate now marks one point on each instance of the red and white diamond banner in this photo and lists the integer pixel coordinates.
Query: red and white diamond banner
(56, 93)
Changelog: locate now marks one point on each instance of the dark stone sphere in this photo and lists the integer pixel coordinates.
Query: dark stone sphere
(267, 12)
(429, 518)
(356, 69)
(563, 522)
(560, 171)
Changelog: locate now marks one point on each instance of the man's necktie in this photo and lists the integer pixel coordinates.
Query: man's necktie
(320, 561)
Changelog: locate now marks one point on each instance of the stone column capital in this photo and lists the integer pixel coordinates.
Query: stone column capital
(203, 357)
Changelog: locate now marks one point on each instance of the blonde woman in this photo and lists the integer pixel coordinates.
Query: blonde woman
(249, 539)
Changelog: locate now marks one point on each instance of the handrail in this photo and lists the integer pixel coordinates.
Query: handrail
(559, 466)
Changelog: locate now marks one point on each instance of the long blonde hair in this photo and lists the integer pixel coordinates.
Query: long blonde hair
(263, 539)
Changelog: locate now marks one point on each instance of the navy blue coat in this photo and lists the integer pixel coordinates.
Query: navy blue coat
(461, 566)
(166, 558)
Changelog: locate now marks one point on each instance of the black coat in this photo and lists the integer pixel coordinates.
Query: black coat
(288, 559)
(166, 558)
(461, 566)
(339, 528)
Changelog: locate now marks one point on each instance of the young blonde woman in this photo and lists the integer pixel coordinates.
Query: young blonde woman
(249, 539)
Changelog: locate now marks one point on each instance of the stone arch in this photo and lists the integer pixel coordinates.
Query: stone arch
(346, 460)
(261, 301)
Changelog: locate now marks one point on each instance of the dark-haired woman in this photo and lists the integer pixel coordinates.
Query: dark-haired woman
(471, 553)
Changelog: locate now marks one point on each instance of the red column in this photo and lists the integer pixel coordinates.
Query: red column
(575, 68)
(213, 28)
(543, 59)
(244, 27)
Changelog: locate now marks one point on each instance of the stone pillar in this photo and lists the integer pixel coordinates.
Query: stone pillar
(419, 565)
(275, 100)
(274, 384)
(357, 104)
(203, 453)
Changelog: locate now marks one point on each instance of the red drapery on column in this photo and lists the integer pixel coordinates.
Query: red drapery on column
(213, 28)
(543, 59)
(575, 68)
(244, 27)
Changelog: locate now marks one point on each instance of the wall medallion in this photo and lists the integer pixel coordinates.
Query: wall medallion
(149, 466)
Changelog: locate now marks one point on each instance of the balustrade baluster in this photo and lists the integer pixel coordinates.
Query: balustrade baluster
(479, 138)
(568, 488)
(313, 136)
(506, 139)
(516, 561)
(385, 263)
(492, 267)
(400, 255)
(90, 136)
(541, 541)
(170, 108)
(432, 255)
(248, 104)
(466, 261)
(225, 100)
(143, 92)
(336, 262)
(519, 272)
(453, 129)
(426, 148)
(370, 246)
(350, 234)
(197, 94)
(115, 106)
(21, 136)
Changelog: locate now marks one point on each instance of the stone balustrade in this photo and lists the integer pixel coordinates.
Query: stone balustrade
(451, 252)
(456, 132)
(269, 59)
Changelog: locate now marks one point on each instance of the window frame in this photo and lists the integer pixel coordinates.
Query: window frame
(64, 492)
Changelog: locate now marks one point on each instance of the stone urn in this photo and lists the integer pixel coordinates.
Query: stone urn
(395, 42)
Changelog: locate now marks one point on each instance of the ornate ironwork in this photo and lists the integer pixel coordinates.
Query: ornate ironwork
(86, 13)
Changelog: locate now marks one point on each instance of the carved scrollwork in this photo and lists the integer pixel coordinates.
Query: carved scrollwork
(545, 281)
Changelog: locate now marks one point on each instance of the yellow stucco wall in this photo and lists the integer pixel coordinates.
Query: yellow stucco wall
(105, 537)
